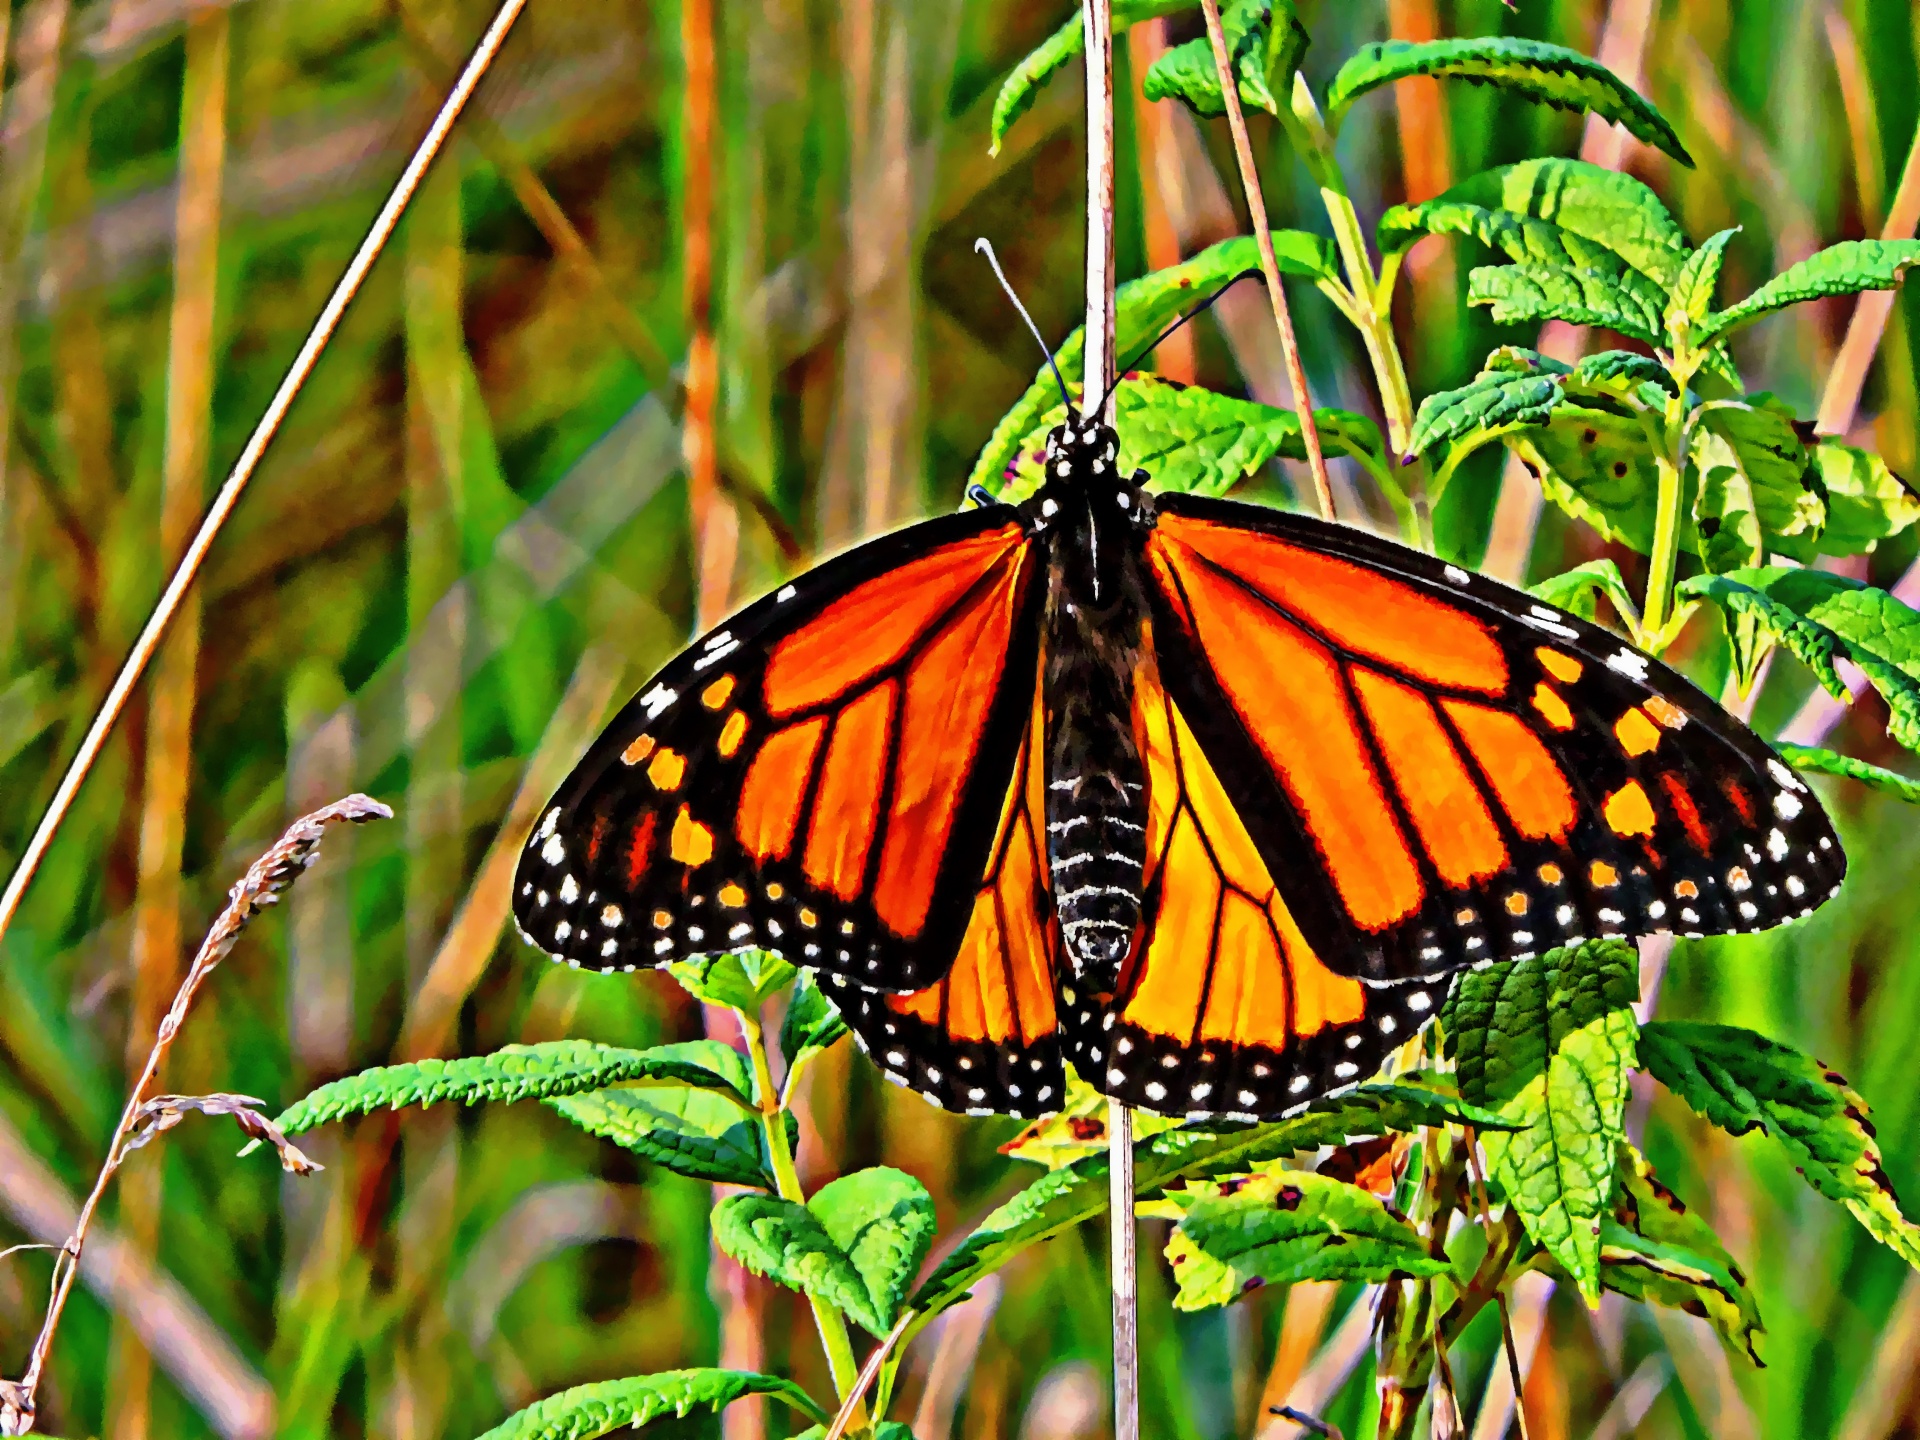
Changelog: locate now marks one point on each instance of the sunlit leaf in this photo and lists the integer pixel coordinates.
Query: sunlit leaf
(1532, 294)
(1742, 1081)
(1843, 269)
(1866, 502)
(740, 980)
(1552, 74)
(811, 1024)
(883, 1221)
(587, 1411)
(1018, 90)
(1692, 296)
(521, 1072)
(1490, 406)
(1575, 590)
(1546, 1043)
(1286, 1226)
(786, 1242)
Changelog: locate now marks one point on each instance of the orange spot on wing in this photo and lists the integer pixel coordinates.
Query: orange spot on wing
(1355, 607)
(949, 689)
(846, 809)
(1688, 813)
(1687, 890)
(1602, 875)
(1551, 707)
(1525, 779)
(637, 750)
(770, 797)
(732, 896)
(1561, 666)
(1636, 732)
(668, 769)
(715, 695)
(1628, 810)
(1432, 780)
(691, 843)
(1307, 733)
(731, 734)
(873, 626)
(1550, 874)
(1517, 903)
(640, 849)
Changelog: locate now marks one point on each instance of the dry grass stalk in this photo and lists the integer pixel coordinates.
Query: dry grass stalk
(263, 884)
(1269, 266)
(168, 606)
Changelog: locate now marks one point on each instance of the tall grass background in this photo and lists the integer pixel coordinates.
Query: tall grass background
(473, 538)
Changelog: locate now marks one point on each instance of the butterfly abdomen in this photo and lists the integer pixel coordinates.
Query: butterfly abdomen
(1096, 801)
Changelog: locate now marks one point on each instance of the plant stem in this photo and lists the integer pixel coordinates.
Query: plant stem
(1269, 266)
(786, 1179)
(1671, 463)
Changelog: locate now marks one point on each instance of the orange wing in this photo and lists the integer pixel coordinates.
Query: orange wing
(985, 1039)
(1225, 1009)
(1438, 771)
(821, 776)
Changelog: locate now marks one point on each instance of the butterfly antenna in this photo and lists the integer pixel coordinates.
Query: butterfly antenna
(1198, 310)
(984, 247)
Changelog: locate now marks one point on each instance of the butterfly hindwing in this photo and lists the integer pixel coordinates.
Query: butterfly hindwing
(1224, 1009)
(820, 776)
(985, 1037)
(1441, 771)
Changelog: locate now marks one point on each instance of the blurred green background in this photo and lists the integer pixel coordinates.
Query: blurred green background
(472, 539)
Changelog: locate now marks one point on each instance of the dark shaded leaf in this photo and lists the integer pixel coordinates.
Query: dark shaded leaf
(1551, 74)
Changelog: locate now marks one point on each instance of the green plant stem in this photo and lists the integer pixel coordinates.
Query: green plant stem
(1371, 297)
(786, 1179)
(1671, 463)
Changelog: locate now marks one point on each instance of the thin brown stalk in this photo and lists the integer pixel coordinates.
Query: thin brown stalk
(171, 599)
(1269, 266)
(716, 527)
(1161, 187)
(163, 801)
(1499, 1295)
(263, 884)
(868, 1373)
(1840, 400)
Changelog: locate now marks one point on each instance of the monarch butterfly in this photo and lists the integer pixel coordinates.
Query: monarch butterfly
(1205, 797)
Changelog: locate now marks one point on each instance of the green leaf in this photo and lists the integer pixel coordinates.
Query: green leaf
(1866, 502)
(1766, 446)
(1530, 294)
(691, 1132)
(586, 1411)
(1551, 74)
(1546, 1043)
(1285, 1226)
(1653, 1249)
(1692, 295)
(1142, 309)
(1843, 269)
(1078, 1129)
(885, 1430)
(1265, 48)
(1592, 211)
(1596, 465)
(1575, 590)
(1742, 1081)
(811, 1024)
(1193, 440)
(1489, 407)
(519, 1072)
(740, 980)
(786, 1242)
(883, 1221)
(1817, 616)
(1019, 90)
(1623, 374)
(1063, 1198)
(1827, 762)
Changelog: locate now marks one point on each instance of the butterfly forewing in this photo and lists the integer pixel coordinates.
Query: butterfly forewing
(1440, 771)
(821, 776)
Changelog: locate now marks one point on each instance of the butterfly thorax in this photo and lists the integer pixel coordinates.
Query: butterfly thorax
(1092, 521)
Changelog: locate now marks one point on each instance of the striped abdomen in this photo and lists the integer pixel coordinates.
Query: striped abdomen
(1096, 801)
